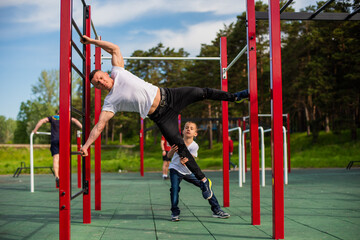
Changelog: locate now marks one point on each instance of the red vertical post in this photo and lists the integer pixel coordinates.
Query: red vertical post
(141, 147)
(78, 142)
(64, 111)
(179, 122)
(225, 123)
(288, 141)
(254, 122)
(245, 158)
(276, 120)
(97, 101)
(87, 195)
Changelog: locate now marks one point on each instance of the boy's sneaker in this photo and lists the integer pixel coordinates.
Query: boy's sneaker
(241, 96)
(206, 189)
(175, 218)
(221, 214)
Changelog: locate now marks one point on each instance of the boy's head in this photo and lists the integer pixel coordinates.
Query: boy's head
(190, 130)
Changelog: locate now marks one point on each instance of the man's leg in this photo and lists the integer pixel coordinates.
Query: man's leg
(56, 165)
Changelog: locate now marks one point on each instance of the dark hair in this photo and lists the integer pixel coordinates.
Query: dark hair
(93, 73)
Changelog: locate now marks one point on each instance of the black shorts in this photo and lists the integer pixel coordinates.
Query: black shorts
(165, 158)
(54, 148)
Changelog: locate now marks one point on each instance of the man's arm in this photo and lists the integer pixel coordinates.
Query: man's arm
(113, 49)
(41, 122)
(74, 120)
(104, 117)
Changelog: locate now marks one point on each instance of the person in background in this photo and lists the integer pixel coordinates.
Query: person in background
(165, 148)
(231, 149)
(54, 143)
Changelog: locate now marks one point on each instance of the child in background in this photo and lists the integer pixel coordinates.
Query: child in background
(179, 171)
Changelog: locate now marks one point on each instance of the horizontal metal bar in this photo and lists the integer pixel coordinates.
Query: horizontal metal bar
(166, 58)
(44, 133)
(78, 194)
(77, 70)
(325, 16)
(78, 50)
(76, 153)
(94, 30)
(81, 113)
(236, 58)
(353, 13)
(76, 27)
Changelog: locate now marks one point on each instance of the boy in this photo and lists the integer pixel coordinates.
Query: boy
(179, 171)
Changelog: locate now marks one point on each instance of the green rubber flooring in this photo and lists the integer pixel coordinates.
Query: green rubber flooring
(319, 204)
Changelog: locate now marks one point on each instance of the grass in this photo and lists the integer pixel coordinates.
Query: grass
(330, 151)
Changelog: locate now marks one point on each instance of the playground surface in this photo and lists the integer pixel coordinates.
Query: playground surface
(319, 204)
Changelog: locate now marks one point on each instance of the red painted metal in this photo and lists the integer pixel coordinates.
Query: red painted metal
(245, 152)
(87, 195)
(78, 142)
(141, 147)
(65, 115)
(97, 170)
(276, 120)
(179, 122)
(288, 141)
(225, 123)
(254, 122)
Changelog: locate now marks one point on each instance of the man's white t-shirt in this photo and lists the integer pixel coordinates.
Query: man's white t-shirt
(129, 93)
(175, 161)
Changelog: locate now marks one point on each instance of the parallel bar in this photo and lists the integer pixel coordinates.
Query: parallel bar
(236, 58)
(225, 123)
(78, 71)
(288, 141)
(167, 58)
(141, 147)
(78, 142)
(321, 9)
(285, 5)
(276, 120)
(65, 126)
(78, 194)
(76, 27)
(254, 120)
(74, 110)
(77, 50)
(304, 16)
(76, 153)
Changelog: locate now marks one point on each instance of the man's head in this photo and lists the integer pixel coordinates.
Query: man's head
(101, 80)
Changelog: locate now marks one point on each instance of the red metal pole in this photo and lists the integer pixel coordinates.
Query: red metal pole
(141, 147)
(245, 158)
(179, 122)
(64, 111)
(97, 101)
(225, 123)
(254, 122)
(87, 195)
(78, 141)
(276, 120)
(288, 141)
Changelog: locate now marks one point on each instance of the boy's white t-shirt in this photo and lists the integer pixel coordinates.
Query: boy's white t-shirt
(129, 93)
(175, 161)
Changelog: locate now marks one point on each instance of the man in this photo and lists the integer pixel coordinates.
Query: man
(165, 148)
(54, 143)
(162, 105)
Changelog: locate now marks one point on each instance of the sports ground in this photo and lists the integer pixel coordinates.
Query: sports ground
(319, 204)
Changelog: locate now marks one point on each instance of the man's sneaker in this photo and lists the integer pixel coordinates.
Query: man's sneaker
(241, 96)
(175, 218)
(57, 181)
(221, 214)
(206, 189)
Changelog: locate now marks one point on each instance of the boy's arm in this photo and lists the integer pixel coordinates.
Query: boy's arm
(104, 117)
(113, 49)
(41, 122)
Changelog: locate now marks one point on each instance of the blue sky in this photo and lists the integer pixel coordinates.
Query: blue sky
(30, 34)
